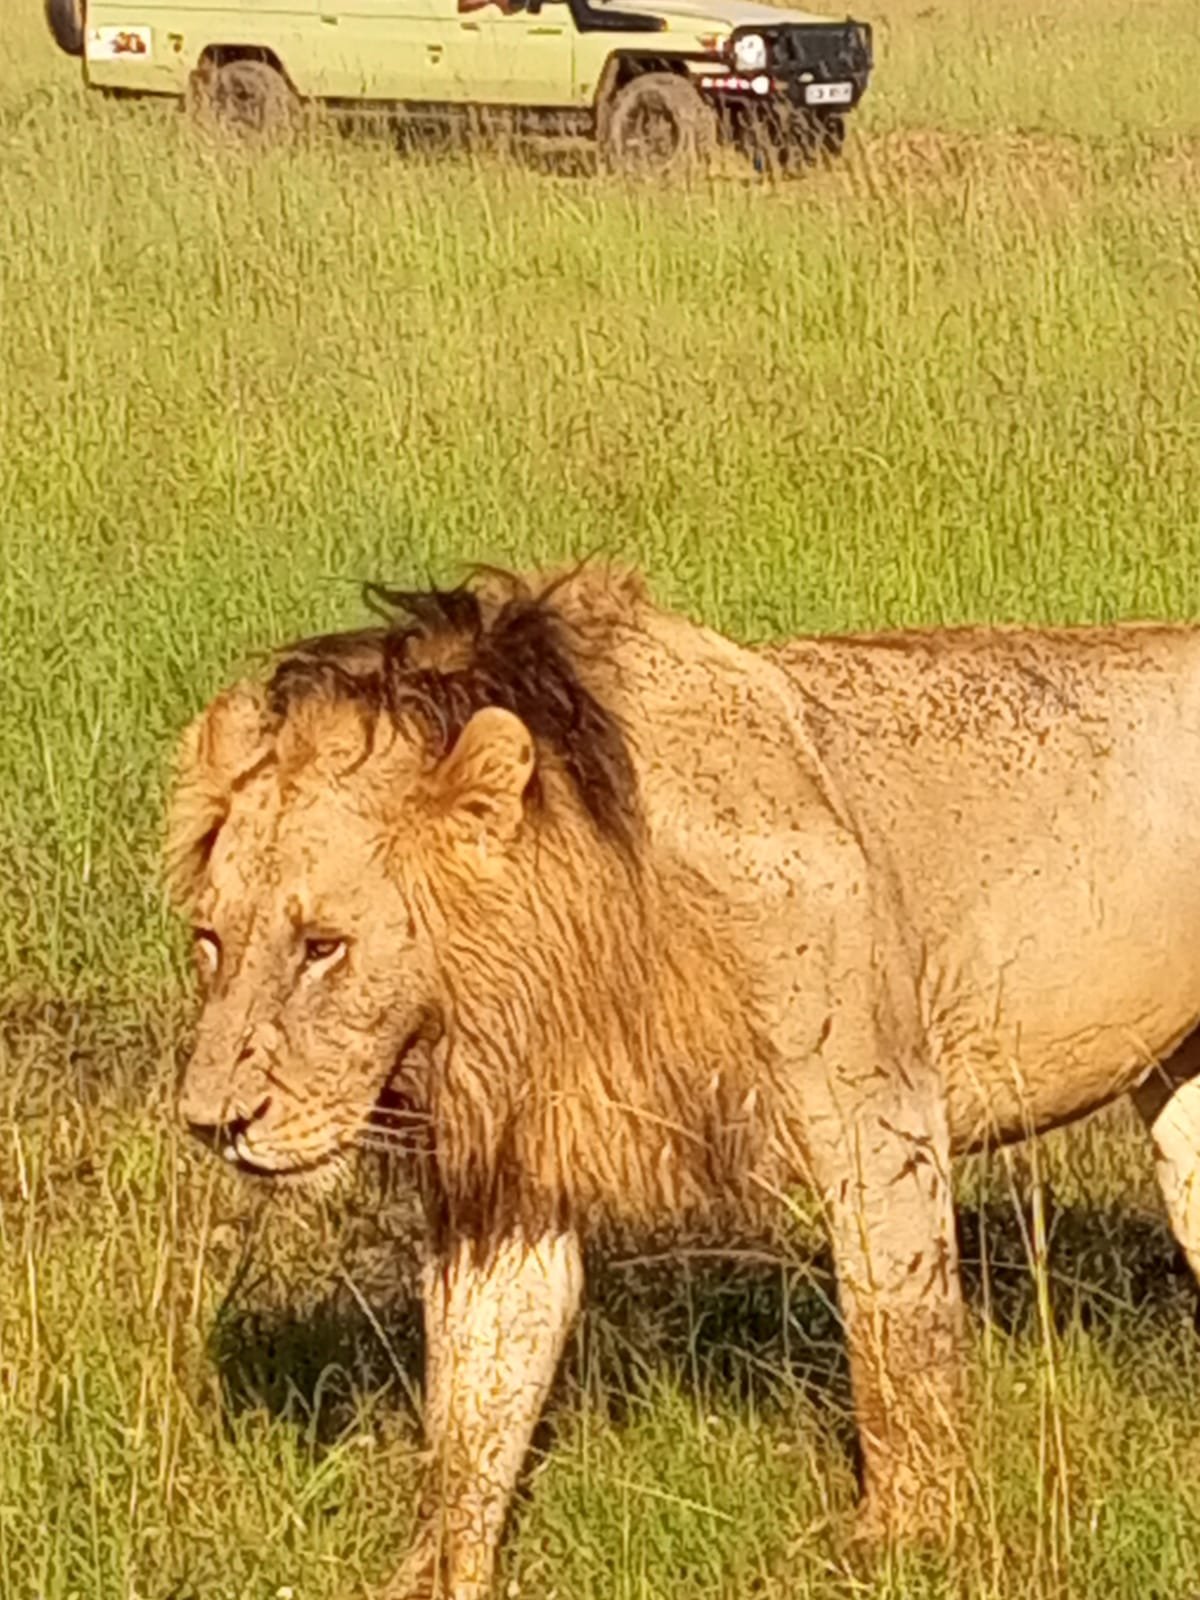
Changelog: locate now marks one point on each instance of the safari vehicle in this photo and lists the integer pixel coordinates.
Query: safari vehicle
(656, 83)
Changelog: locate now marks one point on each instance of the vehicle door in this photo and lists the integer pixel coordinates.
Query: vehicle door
(522, 51)
(388, 49)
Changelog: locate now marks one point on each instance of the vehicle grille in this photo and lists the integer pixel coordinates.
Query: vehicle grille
(841, 50)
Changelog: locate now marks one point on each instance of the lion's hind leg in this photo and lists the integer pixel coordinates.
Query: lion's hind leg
(1168, 1102)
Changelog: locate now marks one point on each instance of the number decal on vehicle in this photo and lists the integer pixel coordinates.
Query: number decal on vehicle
(115, 44)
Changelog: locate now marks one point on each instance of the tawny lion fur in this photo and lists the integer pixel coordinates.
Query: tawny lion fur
(595, 914)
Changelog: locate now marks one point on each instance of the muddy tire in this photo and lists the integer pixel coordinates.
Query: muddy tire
(248, 100)
(657, 126)
(65, 18)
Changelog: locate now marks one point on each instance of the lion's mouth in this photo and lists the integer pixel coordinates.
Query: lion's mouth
(253, 1164)
(399, 1120)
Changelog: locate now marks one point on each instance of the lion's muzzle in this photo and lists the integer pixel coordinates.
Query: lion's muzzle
(226, 1102)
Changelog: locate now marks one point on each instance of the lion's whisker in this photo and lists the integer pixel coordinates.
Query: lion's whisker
(367, 1141)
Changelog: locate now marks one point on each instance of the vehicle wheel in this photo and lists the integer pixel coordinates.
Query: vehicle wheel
(658, 127)
(246, 98)
(66, 24)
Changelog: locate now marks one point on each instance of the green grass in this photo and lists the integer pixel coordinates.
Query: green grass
(958, 377)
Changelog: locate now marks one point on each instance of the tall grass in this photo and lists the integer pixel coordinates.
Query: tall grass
(957, 377)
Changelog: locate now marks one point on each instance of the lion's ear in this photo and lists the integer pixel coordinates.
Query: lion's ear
(226, 741)
(480, 785)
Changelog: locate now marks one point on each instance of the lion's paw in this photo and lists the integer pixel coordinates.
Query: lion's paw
(914, 1514)
(423, 1576)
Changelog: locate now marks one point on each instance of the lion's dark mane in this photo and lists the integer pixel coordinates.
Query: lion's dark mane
(441, 655)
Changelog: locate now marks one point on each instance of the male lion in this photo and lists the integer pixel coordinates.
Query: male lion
(620, 919)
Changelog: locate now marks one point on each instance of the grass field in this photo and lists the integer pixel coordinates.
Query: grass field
(956, 378)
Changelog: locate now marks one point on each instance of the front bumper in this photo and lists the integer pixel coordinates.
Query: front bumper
(819, 68)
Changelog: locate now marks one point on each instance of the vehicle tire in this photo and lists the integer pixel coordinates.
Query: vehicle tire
(65, 18)
(248, 99)
(657, 126)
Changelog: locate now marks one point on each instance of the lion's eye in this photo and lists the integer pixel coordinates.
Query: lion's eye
(317, 950)
(208, 948)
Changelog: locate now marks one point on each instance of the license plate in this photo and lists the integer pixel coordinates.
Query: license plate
(828, 94)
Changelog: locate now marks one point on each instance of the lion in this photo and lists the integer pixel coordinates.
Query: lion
(603, 917)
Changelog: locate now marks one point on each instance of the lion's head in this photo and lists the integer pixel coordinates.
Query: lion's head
(364, 844)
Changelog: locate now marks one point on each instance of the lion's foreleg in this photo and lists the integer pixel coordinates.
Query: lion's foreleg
(889, 1203)
(496, 1321)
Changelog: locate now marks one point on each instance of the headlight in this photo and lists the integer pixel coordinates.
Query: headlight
(750, 52)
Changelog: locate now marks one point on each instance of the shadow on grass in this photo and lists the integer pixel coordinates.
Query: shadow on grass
(751, 1329)
(314, 1367)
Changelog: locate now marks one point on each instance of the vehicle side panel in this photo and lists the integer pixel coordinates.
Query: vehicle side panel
(177, 35)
